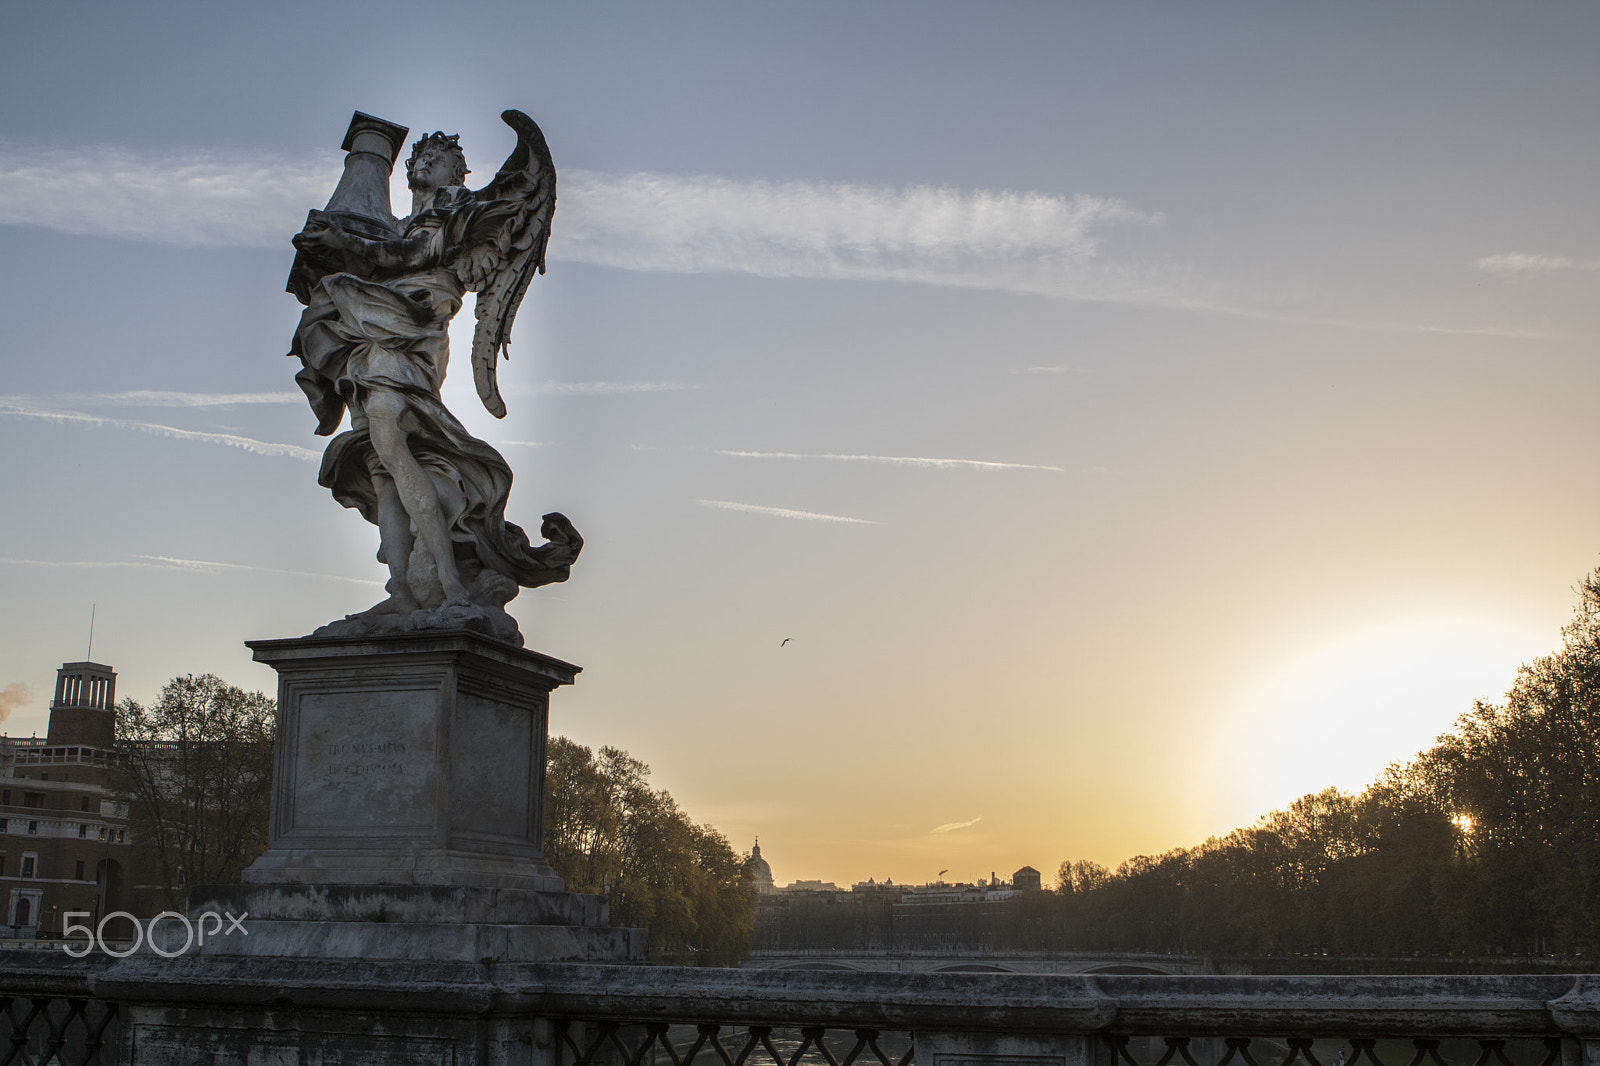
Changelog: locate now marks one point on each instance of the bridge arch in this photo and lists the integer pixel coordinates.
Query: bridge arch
(1132, 968)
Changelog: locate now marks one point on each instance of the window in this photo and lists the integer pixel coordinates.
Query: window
(44, 777)
(33, 799)
(2, 865)
(78, 871)
(5, 797)
(83, 830)
(33, 829)
(27, 865)
(3, 822)
(102, 832)
(87, 803)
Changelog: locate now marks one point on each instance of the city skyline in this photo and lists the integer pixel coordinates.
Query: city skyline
(1058, 433)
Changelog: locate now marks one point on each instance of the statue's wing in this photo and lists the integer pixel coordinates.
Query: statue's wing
(501, 238)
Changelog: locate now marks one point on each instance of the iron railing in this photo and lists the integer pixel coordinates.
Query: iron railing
(613, 1043)
(89, 1012)
(46, 1031)
(1351, 1051)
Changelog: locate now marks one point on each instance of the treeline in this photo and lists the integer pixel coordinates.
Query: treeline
(1487, 843)
(197, 782)
(607, 830)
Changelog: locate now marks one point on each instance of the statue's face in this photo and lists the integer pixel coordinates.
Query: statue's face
(435, 168)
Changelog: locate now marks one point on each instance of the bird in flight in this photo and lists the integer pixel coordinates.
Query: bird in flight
(785, 641)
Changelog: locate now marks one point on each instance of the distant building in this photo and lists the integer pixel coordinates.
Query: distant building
(874, 915)
(875, 890)
(763, 872)
(63, 835)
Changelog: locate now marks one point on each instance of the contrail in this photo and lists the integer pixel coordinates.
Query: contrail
(14, 406)
(204, 566)
(155, 398)
(894, 460)
(785, 512)
(167, 562)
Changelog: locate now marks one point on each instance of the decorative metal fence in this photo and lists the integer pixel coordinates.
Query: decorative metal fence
(47, 1031)
(611, 1043)
(1331, 1051)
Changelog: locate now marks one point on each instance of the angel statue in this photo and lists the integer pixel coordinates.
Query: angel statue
(379, 294)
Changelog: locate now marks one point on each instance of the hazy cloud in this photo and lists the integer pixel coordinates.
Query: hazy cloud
(1012, 241)
(202, 198)
(11, 405)
(12, 697)
(895, 460)
(1022, 241)
(951, 827)
(1522, 263)
(784, 512)
(1051, 370)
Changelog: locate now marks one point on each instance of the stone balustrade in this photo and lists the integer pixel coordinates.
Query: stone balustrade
(150, 1010)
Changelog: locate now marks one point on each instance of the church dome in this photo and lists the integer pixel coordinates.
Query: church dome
(763, 871)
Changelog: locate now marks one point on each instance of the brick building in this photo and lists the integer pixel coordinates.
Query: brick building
(63, 836)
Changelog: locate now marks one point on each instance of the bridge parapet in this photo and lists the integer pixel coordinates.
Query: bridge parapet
(956, 961)
(192, 1010)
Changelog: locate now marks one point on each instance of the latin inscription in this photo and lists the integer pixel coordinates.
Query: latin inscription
(359, 759)
(366, 759)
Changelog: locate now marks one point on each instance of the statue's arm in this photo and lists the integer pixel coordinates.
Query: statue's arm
(398, 255)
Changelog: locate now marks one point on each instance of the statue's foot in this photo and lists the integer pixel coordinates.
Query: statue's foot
(395, 604)
(455, 595)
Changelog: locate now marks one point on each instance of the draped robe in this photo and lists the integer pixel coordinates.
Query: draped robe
(360, 334)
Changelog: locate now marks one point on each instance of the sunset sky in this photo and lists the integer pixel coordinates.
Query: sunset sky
(1137, 415)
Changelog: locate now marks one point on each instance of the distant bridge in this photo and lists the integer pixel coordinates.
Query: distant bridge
(934, 961)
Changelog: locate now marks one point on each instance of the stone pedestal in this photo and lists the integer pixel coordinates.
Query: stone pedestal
(409, 760)
(408, 811)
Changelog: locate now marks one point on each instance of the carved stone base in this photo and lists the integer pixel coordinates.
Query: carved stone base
(397, 922)
(407, 813)
(491, 622)
(414, 759)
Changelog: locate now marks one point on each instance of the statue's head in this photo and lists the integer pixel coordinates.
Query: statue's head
(436, 161)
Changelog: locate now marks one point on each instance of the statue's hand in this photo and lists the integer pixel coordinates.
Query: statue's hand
(322, 239)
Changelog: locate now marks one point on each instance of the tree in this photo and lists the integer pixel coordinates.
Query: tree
(198, 782)
(608, 831)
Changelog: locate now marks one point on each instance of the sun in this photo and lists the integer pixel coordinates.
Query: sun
(1353, 702)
